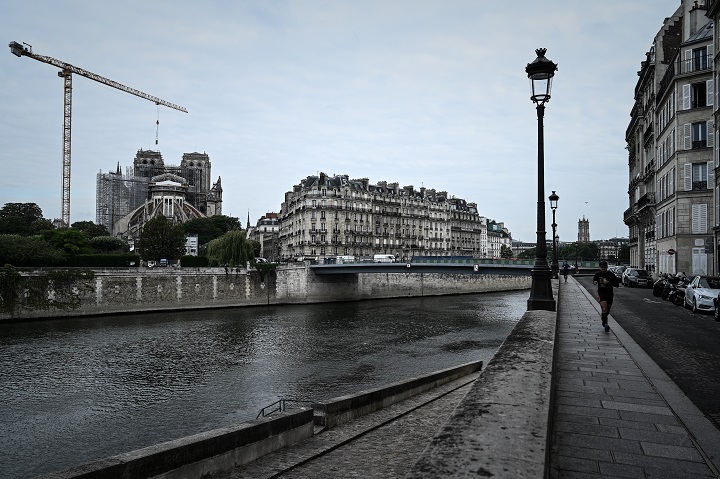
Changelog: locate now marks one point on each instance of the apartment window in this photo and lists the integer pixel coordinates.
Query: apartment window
(695, 135)
(696, 176)
(699, 95)
(700, 59)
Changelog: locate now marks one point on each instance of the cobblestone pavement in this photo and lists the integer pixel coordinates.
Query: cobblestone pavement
(384, 444)
(616, 414)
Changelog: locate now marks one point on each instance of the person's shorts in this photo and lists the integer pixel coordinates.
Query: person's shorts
(605, 297)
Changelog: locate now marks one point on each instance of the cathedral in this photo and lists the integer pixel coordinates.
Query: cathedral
(124, 202)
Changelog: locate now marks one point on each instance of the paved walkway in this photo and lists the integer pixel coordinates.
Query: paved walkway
(616, 414)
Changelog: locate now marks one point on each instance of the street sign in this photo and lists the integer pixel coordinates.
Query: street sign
(671, 251)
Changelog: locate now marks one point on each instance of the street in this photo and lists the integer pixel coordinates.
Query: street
(685, 345)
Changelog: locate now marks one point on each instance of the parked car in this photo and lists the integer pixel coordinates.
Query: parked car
(637, 277)
(716, 304)
(701, 293)
(618, 271)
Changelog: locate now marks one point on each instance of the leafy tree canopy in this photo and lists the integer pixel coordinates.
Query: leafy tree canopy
(211, 227)
(90, 229)
(505, 252)
(160, 239)
(232, 249)
(109, 244)
(69, 240)
(23, 251)
(22, 219)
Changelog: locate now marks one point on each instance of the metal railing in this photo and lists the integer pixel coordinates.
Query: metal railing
(278, 406)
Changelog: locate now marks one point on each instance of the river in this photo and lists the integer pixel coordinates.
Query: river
(76, 390)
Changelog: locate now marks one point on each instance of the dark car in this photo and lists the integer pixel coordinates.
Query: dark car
(637, 277)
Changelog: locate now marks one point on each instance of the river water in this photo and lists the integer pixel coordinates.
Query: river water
(80, 389)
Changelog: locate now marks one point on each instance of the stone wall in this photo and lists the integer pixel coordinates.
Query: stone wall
(120, 291)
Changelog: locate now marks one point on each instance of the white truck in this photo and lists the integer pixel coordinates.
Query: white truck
(384, 258)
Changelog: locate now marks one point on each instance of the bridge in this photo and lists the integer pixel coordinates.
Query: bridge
(516, 267)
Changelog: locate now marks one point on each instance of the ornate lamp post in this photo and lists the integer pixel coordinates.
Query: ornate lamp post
(553, 204)
(541, 72)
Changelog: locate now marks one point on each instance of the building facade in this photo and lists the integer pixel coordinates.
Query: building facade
(338, 216)
(670, 145)
(125, 201)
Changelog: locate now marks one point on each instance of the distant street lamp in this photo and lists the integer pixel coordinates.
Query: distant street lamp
(541, 72)
(553, 205)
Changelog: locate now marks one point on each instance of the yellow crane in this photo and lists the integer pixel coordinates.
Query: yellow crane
(66, 71)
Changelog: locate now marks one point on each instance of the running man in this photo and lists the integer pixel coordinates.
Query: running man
(605, 281)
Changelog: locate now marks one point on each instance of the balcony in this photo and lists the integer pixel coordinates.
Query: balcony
(700, 63)
(696, 144)
(647, 199)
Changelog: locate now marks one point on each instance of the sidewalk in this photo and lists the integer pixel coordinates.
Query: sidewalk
(616, 413)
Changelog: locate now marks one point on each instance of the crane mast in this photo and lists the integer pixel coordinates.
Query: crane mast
(66, 71)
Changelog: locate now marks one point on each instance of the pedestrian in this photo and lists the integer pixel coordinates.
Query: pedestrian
(566, 267)
(606, 281)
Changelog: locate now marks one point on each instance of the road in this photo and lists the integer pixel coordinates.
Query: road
(685, 345)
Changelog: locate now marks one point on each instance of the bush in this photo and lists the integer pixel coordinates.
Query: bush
(193, 261)
(105, 260)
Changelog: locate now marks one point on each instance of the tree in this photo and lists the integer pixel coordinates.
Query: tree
(22, 219)
(69, 240)
(90, 229)
(505, 252)
(211, 227)
(159, 239)
(232, 249)
(29, 251)
(109, 244)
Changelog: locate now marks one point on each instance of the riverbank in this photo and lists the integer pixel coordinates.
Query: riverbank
(168, 289)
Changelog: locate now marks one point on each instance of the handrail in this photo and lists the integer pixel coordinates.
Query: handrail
(277, 406)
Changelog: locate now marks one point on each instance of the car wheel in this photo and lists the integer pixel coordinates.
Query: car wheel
(685, 303)
(694, 305)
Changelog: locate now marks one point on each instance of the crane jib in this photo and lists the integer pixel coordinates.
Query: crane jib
(20, 50)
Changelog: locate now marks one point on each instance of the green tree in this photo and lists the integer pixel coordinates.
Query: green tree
(211, 227)
(160, 238)
(232, 249)
(22, 219)
(527, 254)
(109, 244)
(22, 251)
(90, 229)
(69, 240)
(505, 252)
(624, 254)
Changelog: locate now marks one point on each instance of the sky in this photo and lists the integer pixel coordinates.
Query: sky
(418, 92)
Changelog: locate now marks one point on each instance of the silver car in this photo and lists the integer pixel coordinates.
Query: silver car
(701, 292)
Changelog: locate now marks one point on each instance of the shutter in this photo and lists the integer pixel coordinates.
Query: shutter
(710, 175)
(687, 64)
(688, 176)
(687, 136)
(695, 217)
(658, 192)
(710, 95)
(671, 222)
(671, 182)
(672, 142)
(658, 226)
(711, 133)
(686, 97)
(710, 55)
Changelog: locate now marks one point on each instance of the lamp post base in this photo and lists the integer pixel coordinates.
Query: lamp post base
(541, 297)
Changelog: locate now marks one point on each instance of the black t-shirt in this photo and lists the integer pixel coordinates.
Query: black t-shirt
(605, 288)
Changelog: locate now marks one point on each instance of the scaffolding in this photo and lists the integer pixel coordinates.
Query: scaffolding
(117, 195)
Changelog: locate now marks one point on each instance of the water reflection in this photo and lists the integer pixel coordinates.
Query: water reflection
(83, 389)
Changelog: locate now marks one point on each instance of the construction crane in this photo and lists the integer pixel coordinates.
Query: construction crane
(66, 71)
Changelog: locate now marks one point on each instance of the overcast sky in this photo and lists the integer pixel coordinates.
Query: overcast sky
(423, 93)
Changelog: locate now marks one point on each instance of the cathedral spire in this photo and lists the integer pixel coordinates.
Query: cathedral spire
(248, 221)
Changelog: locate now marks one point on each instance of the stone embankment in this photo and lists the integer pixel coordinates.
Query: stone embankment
(162, 289)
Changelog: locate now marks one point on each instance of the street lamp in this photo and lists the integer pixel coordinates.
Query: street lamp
(553, 204)
(541, 72)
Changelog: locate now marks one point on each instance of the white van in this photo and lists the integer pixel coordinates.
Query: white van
(384, 258)
(345, 259)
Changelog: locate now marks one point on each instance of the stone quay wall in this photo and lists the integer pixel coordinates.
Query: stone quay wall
(162, 289)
